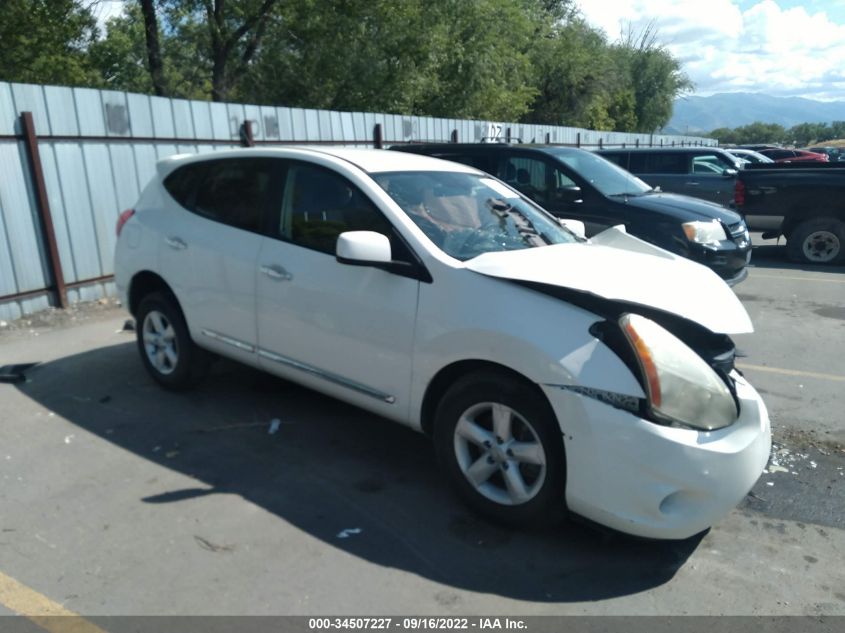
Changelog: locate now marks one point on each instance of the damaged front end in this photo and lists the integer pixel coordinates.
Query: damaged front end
(685, 370)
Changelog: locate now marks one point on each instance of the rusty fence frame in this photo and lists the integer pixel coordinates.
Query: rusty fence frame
(58, 288)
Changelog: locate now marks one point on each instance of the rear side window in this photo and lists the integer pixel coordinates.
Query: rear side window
(658, 163)
(777, 154)
(233, 191)
(484, 163)
(528, 175)
(620, 158)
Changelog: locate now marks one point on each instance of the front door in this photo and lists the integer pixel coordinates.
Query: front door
(346, 330)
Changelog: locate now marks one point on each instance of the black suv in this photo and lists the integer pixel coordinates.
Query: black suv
(576, 184)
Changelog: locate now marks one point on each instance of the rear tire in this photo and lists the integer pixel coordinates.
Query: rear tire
(500, 444)
(817, 241)
(167, 351)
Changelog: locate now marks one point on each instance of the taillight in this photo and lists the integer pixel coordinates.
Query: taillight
(123, 219)
(739, 193)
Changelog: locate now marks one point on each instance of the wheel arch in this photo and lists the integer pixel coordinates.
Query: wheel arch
(799, 216)
(447, 375)
(144, 283)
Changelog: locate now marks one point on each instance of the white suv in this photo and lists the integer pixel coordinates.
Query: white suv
(552, 372)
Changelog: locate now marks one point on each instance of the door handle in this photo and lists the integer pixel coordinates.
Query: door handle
(176, 243)
(276, 272)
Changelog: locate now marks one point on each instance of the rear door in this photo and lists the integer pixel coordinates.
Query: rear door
(211, 244)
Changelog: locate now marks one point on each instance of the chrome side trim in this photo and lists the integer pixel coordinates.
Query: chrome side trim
(229, 341)
(339, 380)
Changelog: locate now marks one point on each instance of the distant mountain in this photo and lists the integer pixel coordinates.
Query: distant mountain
(701, 114)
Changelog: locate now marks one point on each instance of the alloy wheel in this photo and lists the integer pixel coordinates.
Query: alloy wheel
(500, 453)
(160, 342)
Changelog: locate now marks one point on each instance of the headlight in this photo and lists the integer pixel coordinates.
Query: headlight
(681, 387)
(704, 232)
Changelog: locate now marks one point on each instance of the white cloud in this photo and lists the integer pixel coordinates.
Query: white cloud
(766, 47)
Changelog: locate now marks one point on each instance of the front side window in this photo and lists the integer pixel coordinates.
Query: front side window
(702, 163)
(466, 215)
(319, 205)
(232, 191)
(607, 177)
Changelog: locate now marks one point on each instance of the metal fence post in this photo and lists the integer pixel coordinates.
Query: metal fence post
(378, 141)
(247, 140)
(49, 232)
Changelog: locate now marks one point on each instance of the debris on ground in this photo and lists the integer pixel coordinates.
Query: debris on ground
(275, 423)
(212, 547)
(58, 318)
(349, 532)
(171, 454)
(15, 373)
(69, 438)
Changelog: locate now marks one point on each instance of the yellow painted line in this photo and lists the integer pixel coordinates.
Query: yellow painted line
(40, 610)
(791, 372)
(832, 281)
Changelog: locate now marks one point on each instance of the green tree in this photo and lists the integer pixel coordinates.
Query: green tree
(757, 132)
(450, 58)
(122, 56)
(571, 66)
(46, 41)
(654, 75)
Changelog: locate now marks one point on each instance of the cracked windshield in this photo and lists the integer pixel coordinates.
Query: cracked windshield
(467, 215)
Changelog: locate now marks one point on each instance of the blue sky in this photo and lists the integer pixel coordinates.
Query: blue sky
(777, 47)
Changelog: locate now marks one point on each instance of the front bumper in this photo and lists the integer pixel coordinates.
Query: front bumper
(655, 481)
(727, 259)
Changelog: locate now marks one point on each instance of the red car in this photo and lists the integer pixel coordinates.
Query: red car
(793, 155)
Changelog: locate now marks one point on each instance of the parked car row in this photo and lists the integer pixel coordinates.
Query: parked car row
(576, 184)
(553, 373)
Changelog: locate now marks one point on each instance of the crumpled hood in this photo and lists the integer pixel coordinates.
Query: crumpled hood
(617, 266)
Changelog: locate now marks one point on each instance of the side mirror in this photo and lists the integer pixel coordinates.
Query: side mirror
(576, 226)
(730, 173)
(363, 248)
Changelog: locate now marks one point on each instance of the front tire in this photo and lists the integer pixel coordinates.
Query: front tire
(499, 442)
(167, 351)
(817, 241)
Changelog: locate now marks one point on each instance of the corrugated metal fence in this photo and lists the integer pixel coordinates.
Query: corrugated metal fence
(87, 153)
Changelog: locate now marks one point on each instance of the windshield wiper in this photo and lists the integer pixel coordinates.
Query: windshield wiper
(629, 194)
(523, 224)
